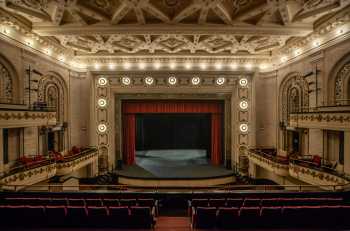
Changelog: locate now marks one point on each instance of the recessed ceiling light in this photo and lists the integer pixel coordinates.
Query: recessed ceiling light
(149, 80)
(126, 80)
(243, 127)
(220, 81)
(196, 80)
(243, 82)
(249, 66)
(126, 65)
(97, 66)
(243, 104)
(102, 128)
(102, 81)
(111, 66)
(102, 102)
(172, 80)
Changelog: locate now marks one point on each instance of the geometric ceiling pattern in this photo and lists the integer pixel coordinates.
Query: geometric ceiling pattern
(143, 27)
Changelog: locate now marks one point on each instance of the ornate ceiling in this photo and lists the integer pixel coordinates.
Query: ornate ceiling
(172, 28)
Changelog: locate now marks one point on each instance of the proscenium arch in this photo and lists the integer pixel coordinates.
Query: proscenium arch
(14, 78)
(340, 70)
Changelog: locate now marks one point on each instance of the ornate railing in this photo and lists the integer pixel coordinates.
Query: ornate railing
(268, 159)
(32, 173)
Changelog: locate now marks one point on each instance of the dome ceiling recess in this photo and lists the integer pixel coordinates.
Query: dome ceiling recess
(197, 28)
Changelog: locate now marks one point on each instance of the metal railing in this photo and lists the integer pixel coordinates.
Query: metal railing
(117, 188)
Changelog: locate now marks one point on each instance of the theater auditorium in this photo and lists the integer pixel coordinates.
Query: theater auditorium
(174, 115)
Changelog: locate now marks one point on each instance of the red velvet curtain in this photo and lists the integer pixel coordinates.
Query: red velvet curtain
(130, 108)
(129, 139)
(215, 139)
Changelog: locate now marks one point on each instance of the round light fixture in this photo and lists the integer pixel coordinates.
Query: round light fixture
(102, 128)
(126, 80)
(149, 80)
(102, 81)
(220, 81)
(243, 127)
(243, 104)
(243, 82)
(102, 102)
(172, 80)
(196, 80)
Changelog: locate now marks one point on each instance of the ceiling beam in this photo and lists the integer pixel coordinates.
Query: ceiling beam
(47, 29)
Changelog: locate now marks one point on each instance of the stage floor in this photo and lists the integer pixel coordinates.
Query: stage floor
(173, 164)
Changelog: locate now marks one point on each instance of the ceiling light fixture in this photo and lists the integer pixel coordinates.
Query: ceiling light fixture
(149, 80)
(203, 66)
(233, 66)
(188, 66)
(196, 80)
(243, 128)
(102, 128)
(243, 105)
(142, 66)
(102, 102)
(126, 80)
(157, 65)
(126, 65)
(220, 81)
(218, 66)
(172, 80)
(172, 65)
(243, 82)
(102, 81)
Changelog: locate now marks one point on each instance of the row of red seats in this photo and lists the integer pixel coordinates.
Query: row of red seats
(76, 216)
(29, 161)
(80, 202)
(257, 202)
(272, 217)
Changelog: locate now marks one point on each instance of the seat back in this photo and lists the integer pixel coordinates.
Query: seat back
(205, 217)
(220, 202)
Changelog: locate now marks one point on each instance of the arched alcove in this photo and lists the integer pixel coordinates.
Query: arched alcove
(9, 86)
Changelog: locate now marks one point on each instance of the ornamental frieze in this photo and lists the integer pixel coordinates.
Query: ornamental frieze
(10, 119)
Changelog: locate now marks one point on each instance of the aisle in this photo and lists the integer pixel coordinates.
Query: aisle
(173, 224)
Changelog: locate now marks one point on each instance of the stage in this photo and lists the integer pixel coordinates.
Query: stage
(174, 168)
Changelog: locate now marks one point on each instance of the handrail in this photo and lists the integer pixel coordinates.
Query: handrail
(274, 158)
(191, 189)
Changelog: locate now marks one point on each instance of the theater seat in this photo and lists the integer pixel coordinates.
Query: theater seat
(118, 217)
(55, 215)
(77, 216)
(58, 202)
(93, 202)
(234, 202)
(271, 217)
(227, 218)
(98, 216)
(111, 202)
(252, 202)
(127, 202)
(249, 217)
(204, 217)
(141, 217)
(76, 202)
(220, 202)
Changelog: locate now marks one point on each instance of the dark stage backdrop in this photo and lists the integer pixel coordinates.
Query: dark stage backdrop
(173, 131)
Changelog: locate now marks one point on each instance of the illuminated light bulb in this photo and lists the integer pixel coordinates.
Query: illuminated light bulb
(102, 102)
(48, 51)
(243, 82)
(283, 58)
(263, 66)
(149, 80)
(243, 104)
(97, 66)
(157, 65)
(243, 127)
(188, 66)
(220, 81)
(126, 65)
(316, 43)
(249, 66)
(297, 52)
(111, 66)
(102, 81)
(340, 31)
(102, 128)
(203, 66)
(172, 80)
(233, 66)
(196, 80)
(126, 80)
(62, 58)
(142, 66)
(218, 66)
(172, 65)
(29, 42)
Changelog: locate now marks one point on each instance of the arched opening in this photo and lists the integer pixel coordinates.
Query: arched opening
(8, 83)
(294, 98)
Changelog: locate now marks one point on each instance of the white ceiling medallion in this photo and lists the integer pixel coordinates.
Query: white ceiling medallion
(196, 80)
(243, 82)
(102, 81)
(126, 80)
(172, 80)
(149, 80)
(243, 128)
(220, 81)
(102, 102)
(102, 128)
(243, 105)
